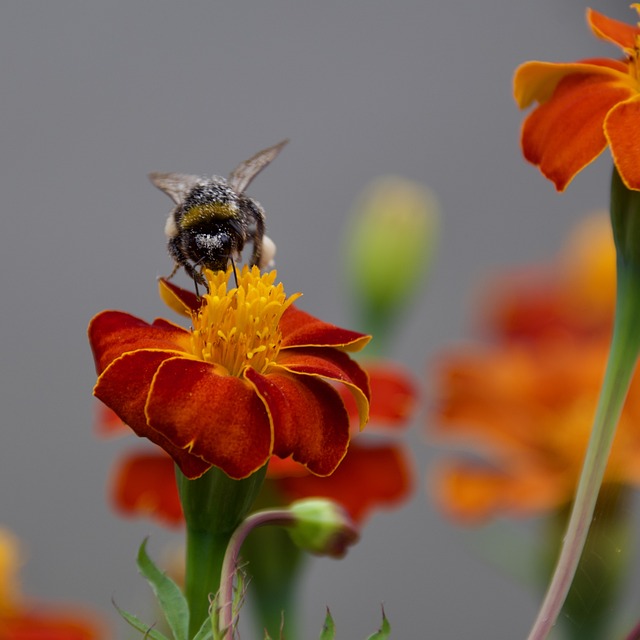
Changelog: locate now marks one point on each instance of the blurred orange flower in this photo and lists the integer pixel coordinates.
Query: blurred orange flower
(370, 476)
(22, 620)
(583, 107)
(521, 404)
(254, 377)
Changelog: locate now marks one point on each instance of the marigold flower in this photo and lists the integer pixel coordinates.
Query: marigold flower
(370, 476)
(583, 107)
(23, 620)
(254, 377)
(522, 403)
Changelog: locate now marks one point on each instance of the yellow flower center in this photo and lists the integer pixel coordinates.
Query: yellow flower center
(238, 327)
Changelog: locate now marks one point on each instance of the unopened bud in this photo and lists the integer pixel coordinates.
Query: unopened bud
(322, 527)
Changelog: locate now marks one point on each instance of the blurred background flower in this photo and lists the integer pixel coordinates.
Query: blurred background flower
(516, 408)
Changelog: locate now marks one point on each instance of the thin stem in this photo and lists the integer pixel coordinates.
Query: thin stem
(625, 345)
(230, 562)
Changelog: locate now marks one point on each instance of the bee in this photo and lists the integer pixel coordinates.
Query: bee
(213, 219)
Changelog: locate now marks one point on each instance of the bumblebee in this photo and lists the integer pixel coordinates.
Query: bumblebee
(213, 219)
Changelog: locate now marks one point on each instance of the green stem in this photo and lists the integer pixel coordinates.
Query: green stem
(625, 346)
(205, 553)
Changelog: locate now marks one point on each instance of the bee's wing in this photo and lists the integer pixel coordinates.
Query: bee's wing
(240, 178)
(175, 185)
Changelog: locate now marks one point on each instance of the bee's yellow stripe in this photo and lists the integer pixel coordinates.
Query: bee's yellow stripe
(202, 213)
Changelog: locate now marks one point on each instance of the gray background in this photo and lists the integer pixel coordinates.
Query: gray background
(97, 94)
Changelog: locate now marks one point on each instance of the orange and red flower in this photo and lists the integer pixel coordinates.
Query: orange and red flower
(254, 377)
(521, 404)
(370, 476)
(22, 620)
(583, 107)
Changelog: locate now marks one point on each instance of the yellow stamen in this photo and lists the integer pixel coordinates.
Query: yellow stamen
(238, 327)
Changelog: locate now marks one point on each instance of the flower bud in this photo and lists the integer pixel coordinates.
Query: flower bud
(390, 247)
(322, 527)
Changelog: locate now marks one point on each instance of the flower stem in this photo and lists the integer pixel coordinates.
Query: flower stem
(230, 562)
(205, 553)
(625, 346)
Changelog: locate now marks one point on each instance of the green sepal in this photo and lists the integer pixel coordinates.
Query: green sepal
(136, 623)
(328, 628)
(172, 603)
(383, 632)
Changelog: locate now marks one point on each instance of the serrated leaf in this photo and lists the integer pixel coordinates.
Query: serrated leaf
(136, 623)
(383, 632)
(328, 628)
(172, 602)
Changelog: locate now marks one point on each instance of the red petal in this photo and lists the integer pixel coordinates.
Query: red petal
(334, 365)
(565, 134)
(309, 419)
(369, 477)
(300, 329)
(393, 395)
(218, 418)
(621, 128)
(145, 485)
(124, 387)
(112, 333)
(619, 33)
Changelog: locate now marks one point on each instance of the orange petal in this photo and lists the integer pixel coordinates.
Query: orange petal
(144, 484)
(472, 493)
(300, 329)
(369, 477)
(217, 418)
(180, 300)
(58, 624)
(536, 81)
(621, 129)
(335, 366)
(566, 133)
(309, 418)
(619, 33)
(112, 333)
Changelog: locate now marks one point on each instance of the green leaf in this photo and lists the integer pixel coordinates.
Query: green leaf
(383, 632)
(170, 598)
(328, 628)
(136, 623)
(206, 630)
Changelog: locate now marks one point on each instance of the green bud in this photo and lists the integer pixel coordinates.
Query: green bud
(322, 527)
(390, 246)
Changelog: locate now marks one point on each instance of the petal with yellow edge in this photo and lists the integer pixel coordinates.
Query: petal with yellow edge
(112, 333)
(623, 134)
(300, 329)
(309, 417)
(565, 134)
(335, 366)
(619, 33)
(217, 418)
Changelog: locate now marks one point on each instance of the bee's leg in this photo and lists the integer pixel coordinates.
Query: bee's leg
(235, 271)
(182, 261)
(255, 212)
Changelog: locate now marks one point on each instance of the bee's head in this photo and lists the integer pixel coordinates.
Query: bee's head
(214, 249)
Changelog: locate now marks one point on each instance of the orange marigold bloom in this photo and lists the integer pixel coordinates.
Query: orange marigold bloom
(522, 403)
(22, 620)
(583, 107)
(370, 476)
(254, 377)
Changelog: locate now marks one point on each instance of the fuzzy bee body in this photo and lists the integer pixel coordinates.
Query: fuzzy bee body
(213, 220)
